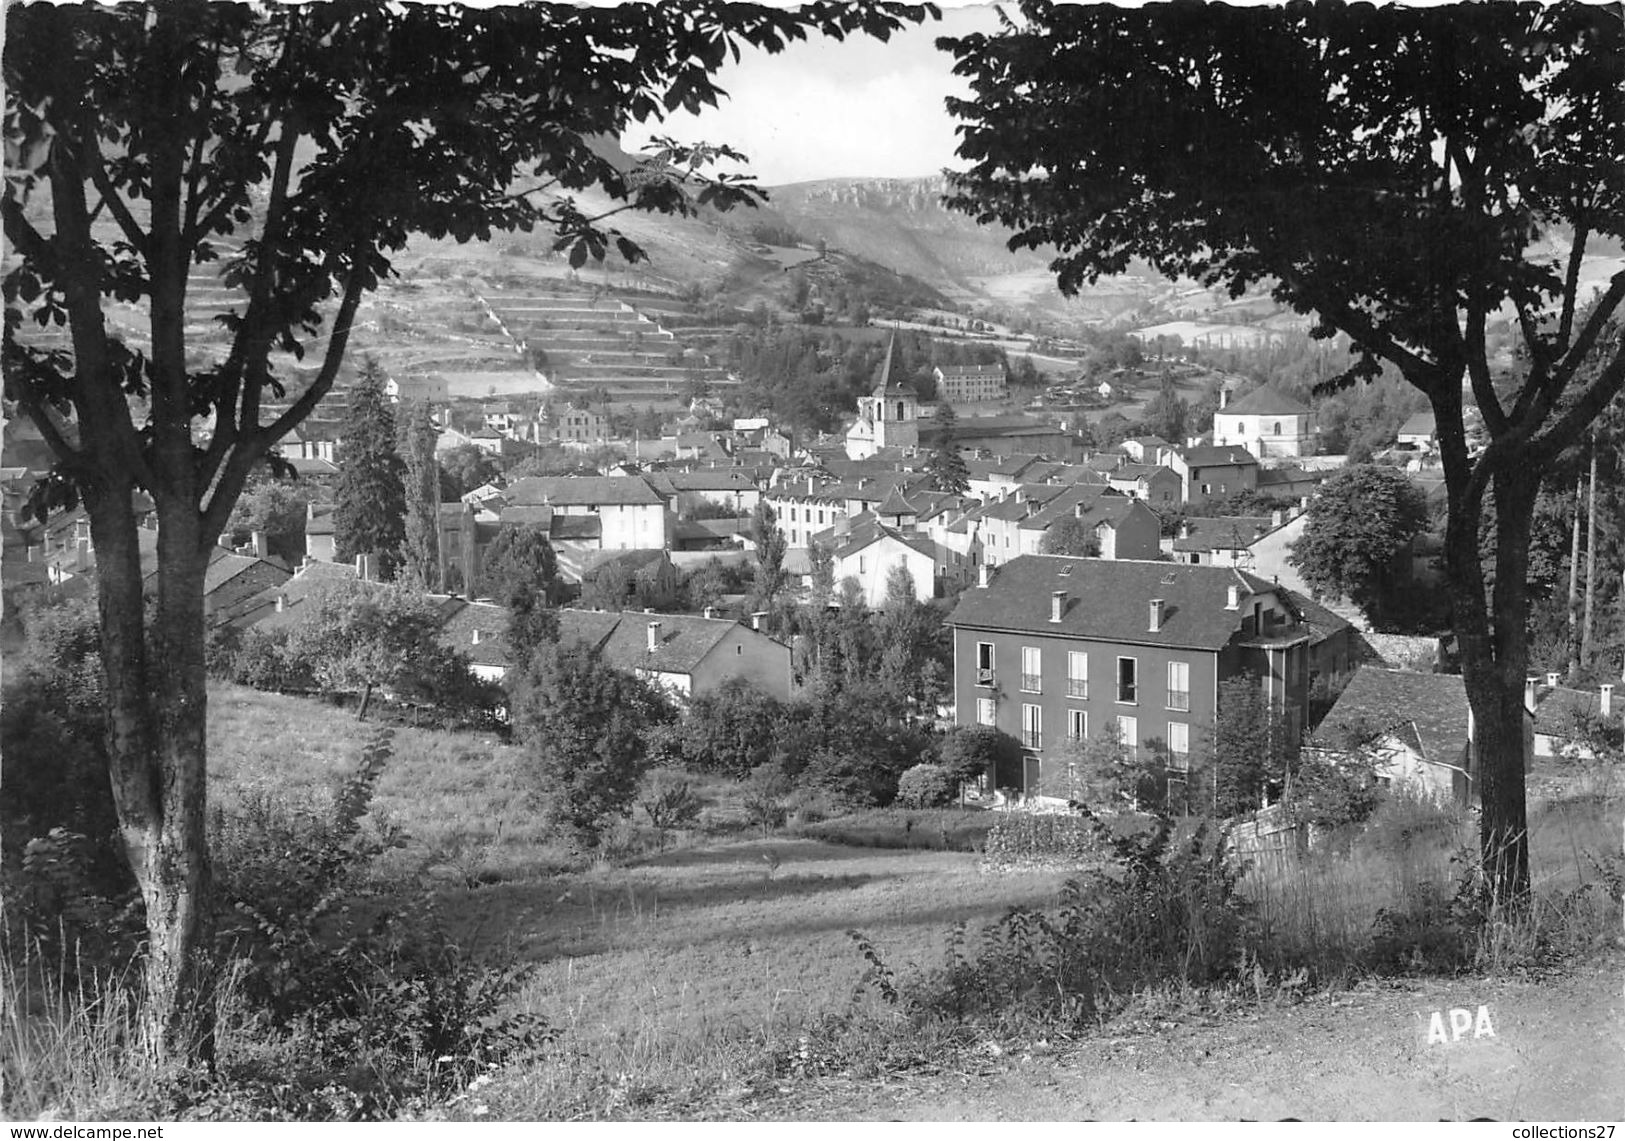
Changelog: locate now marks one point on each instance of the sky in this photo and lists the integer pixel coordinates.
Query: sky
(852, 109)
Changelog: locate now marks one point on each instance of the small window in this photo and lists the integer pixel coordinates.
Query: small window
(1077, 674)
(1127, 680)
(1032, 667)
(1179, 747)
(984, 663)
(1032, 726)
(1128, 736)
(739, 649)
(1077, 724)
(1179, 686)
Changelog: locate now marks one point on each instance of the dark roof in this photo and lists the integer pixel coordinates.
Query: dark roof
(865, 532)
(1419, 424)
(1322, 623)
(970, 371)
(1215, 455)
(1109, 600)
(461, 618)
(895, 504)
(1558, 710)
(1222, 532)
(681, 643)
(576, 527)
(1428, 711)
(520, 515)
(311, 466)
(583, 490)
(635, 559)
(710, 479)
(589, 626)
(305, 581)
(1265, 401)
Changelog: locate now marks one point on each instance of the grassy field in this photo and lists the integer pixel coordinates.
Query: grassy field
(679, 971)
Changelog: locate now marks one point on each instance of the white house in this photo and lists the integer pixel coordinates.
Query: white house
(869, 552)
(602, 512)
(1266, 422)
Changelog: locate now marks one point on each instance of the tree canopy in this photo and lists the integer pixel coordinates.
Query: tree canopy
(1403, 174)
(369, 511)
(146, 140)
(1360, 522)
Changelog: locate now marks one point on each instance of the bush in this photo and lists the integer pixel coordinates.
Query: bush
(384, 1011)
(670, 802)
(925, 786)
(1157, 913)
(1027, 839)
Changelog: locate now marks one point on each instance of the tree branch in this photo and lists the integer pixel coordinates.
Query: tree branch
(104, 186)
(1478, 370)
(21, 232)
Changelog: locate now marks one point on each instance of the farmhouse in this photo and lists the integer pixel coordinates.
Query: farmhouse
(1055, 649)
(1416, 727)
(965, 383)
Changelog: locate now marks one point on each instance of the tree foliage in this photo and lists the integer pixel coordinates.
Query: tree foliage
(369, 513)
(1403, 174)
(277, 508)
(1070, 536)
(945, 465)
(1361, 522)
(970, 752)
(583, 721)
(170, 136)
(420, 545)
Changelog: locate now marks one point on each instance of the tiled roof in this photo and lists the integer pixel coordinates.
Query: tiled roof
(574, 527)
(867, 532)
(1558, 710)
(895, 504)
(970, 371)
(636, 559)
(1322, 623)
(311, 466)
(462, 618)
(1215, 455)
(583, 490)
(305, 582)
(710, 479)
(681, 643)
(521, 515)
(1429, 709)
(1419, 424)
(1109, 600)
(1265, 401)
(1222, 532)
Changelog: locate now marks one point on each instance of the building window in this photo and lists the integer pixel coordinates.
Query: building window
(1207, 489)
(984, 711)
(1179, 686)
(861, 565)
(1077, 673)
(1032, 726)
(1127, 687)
(1077, 724)
(1179, 747)
(984, 663)
(820, 516)
(1128, 736)
(1032, 670)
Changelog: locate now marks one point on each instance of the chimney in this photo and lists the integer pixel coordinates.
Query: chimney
(1233, 599)
(1552, 679)
(361, 567)
(476, 636)
(1277, 518)
(1184, 529)
(261, 548)
(1529, 684)
(809, 485)
(709, 612)
(1224, 397)
(281, 603)
(756, 619)
(224, 541)
(1156, 615)
(983, 574)
(1057, 605)
(1606, 695)
(654, 636)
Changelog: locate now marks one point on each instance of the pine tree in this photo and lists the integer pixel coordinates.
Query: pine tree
(369, 516)
(946, 466)
(420, 553)
(770, 548)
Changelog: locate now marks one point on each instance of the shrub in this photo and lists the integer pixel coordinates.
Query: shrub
(1027, 839)
(925, 786)
(946, 829)
(765, 795)
(1158, 913)
(670, 802)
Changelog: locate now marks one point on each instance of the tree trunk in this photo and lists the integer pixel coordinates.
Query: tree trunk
(1574, 582)
(1495, 660)
(158, 761)
(1591, 558)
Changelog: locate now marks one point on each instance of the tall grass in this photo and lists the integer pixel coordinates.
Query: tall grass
(1403, 894)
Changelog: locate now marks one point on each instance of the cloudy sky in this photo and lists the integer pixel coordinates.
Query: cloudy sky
(823, 109)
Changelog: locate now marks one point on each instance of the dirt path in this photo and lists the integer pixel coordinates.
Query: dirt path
(1557, 1053)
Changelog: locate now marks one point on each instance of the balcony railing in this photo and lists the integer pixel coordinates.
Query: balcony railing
(1077, 687)
(1179, 699)
(1031, 739)
(1032, 683)
(1126, 693)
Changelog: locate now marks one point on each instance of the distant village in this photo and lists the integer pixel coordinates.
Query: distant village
(1133, 625)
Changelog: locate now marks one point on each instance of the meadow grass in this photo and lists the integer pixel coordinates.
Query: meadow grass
(677, 976)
